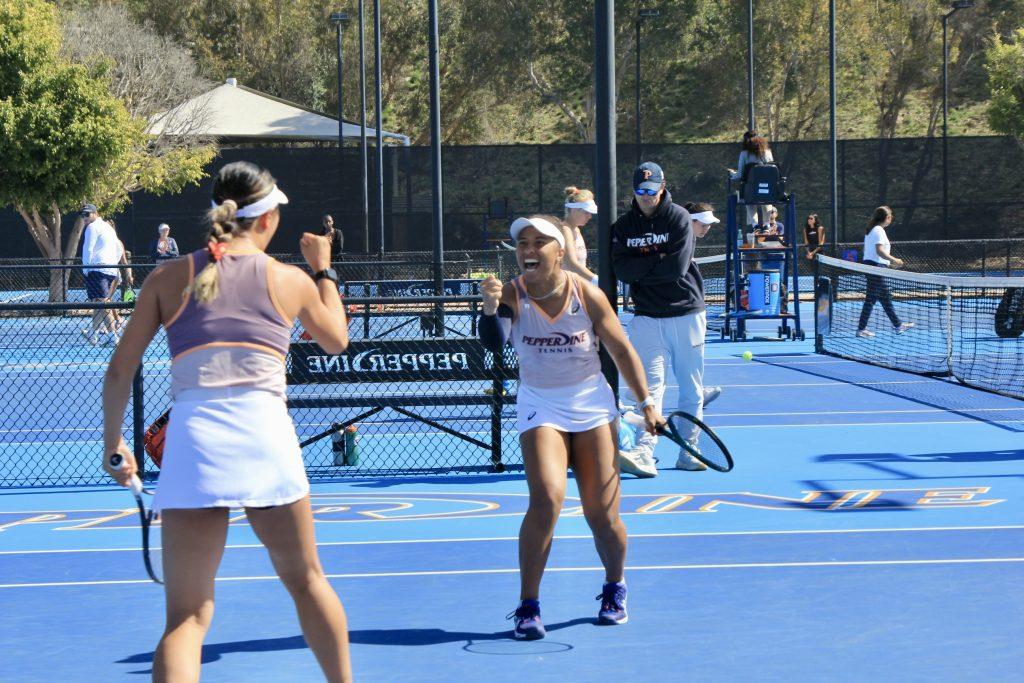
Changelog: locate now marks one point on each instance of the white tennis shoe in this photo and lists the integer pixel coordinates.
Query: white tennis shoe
(639, 461)
(711, 393)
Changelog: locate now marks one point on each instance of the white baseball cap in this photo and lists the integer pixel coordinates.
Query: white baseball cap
(544, 227)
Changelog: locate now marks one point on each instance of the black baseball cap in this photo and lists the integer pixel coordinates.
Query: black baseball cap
(88, 209)
(648, 176)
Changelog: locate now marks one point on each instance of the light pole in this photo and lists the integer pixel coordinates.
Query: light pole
(833, 175)
(362, 127)
(640, 16)
(378, 118)
(956, 7)
(604, 169)
(437, 198)
(339, 19)
(750, 65)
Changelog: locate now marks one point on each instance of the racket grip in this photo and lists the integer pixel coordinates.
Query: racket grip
(135, 484)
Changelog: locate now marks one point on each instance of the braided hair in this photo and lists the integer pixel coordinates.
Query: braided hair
(238, 184)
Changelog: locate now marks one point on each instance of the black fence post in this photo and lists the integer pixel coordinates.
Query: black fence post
(138, 422)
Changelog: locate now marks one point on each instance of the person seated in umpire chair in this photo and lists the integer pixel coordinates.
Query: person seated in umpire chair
(755, 152)
(771, 234)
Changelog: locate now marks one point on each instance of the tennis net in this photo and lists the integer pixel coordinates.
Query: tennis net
(965, 328)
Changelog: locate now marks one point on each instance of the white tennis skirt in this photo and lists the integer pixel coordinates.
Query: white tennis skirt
(230, 447)
(576, 408)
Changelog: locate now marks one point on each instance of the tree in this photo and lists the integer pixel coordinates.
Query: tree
(67, 137)
(59, 127)
(1006, 81)
(150, 75)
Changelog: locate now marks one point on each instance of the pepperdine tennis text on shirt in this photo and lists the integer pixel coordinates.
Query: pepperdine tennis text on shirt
(646, 240)
(557, 339)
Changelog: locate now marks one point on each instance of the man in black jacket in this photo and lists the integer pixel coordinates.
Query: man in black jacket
(652, 252)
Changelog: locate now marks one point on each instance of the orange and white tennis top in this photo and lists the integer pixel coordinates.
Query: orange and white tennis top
(240, 339)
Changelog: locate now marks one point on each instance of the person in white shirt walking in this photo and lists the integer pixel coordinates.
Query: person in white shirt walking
(876, 253)
(100, 247)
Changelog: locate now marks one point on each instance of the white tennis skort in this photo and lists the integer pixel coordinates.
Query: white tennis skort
(230, 447)
(575, 408)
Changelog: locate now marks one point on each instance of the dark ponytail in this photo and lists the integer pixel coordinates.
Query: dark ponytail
(881, 215)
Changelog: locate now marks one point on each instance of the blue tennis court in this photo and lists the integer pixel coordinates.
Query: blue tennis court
(871, 529)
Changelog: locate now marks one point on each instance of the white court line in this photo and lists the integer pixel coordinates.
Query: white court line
(868, 412)
(567, 537)
(760, 385)
(860, 424)
(515, 570)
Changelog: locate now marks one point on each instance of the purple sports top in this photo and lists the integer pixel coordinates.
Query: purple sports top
(240, 338)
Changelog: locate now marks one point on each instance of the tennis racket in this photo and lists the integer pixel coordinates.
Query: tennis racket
(508, 246)
(707, 448)
(1009, 318)
(153, 439)
(145, 517)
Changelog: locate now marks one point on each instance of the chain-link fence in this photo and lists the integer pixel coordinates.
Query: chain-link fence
(486, 186)
(951, 257)
(421, 392)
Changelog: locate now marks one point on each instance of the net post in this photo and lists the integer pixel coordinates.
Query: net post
(138, 421)
(817, 333)
(949, 330)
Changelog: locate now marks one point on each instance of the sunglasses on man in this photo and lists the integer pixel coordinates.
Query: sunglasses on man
(642, 192)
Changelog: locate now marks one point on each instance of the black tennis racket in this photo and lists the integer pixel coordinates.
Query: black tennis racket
(1009, 319)
(679, 426)
(145, 517)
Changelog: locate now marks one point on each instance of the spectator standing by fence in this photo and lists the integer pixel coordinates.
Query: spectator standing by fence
(101, 251)
(814, 236)
(164, 248)
(335, 236)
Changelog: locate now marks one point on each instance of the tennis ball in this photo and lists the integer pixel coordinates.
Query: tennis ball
(747, 355)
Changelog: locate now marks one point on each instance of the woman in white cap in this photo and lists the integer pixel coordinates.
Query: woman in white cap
(580, 207)
(164, 247)
(228, 311)
(565, 410)
(702, 217)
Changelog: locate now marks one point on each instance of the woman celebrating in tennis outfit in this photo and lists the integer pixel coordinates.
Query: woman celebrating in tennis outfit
(228, 311)
(565, 410)
(876, 253)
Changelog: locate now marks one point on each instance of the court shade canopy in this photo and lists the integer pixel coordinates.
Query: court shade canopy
(235, 113)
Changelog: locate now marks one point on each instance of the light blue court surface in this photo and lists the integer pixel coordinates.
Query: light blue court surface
(872, 530)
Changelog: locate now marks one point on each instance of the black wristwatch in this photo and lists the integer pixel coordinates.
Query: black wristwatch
(329, 274)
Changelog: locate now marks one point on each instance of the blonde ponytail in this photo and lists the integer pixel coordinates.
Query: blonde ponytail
(206, 285)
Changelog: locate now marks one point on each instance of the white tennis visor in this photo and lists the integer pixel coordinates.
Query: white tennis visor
(705, 217)
(543, 227)
(590, 206)
(274, 198)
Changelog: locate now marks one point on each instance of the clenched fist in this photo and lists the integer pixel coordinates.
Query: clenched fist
(490, 292)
